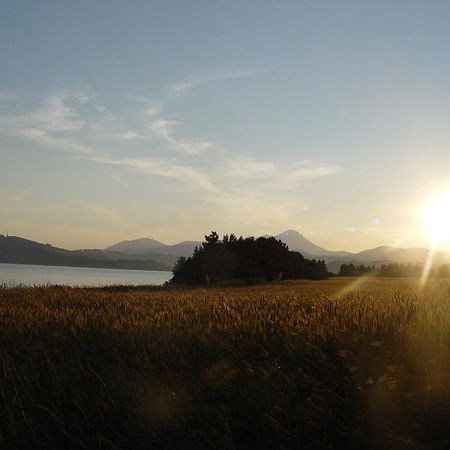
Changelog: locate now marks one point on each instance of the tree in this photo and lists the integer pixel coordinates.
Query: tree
(244, 259)
(211, 240)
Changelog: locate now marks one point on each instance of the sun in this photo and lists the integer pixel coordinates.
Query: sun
(437, 219)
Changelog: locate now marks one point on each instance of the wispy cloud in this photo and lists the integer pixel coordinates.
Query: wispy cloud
(152, 110)
(236, 186)
(186, 86)
(155, 166)
(63, 144)
(165, 130)
(57, 113)
(164, 168)
(308, 170)
(246, 166)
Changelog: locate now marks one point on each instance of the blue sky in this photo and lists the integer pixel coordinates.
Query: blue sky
(123, 119)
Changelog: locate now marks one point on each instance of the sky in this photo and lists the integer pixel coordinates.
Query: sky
(169, 119)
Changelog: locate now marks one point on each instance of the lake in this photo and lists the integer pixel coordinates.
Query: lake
(14, 274)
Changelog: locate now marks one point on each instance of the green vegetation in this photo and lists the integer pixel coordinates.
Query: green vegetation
(309, 364)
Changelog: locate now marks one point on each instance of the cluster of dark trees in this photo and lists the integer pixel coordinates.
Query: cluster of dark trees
(352, 270)
(393, 270)
(247, 259)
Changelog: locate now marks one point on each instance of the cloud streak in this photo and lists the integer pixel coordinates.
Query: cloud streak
(309, 170)
(236, 186)
(57, 115)
(185, 87)
(163, 168)
(63, 144)
(164, 129)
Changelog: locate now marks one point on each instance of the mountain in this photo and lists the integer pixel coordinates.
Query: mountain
(386, 252)
(388, 255)
(295, 241)
(185, 248)
(150, 254)
(17, 250)
(168, 260)
(137, 246)
(410, 255)
(375, 256)
(144, 246)
(147, 246)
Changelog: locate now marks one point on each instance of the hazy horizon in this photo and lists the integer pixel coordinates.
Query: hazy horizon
(169, 120)
(201, 238)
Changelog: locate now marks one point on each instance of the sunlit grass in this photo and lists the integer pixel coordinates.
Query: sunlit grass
(329, 364)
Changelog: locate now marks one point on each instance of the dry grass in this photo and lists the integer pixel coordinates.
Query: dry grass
(311, 365)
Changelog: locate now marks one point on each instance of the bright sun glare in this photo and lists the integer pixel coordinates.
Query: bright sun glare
(437, 219)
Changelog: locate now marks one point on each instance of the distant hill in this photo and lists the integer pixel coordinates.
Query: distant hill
(150, 254)
(375, 256)
(386, 255)
(293, 239)
(297, 242)
(136, 246)
(143, 246)
(386, 252)
(17, 250)
(185, 248)
(168, 260)
(159, 251)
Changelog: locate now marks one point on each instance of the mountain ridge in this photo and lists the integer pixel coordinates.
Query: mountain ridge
(297, 242)
(151, 254)
(18, 250)
(383, 254)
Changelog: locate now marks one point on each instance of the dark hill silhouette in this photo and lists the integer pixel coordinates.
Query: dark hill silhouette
(166, 259)
(155, 255)
(144, 246)
(136, 246)
(17, 250)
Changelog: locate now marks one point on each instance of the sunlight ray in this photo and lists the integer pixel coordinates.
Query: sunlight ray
(357, 283)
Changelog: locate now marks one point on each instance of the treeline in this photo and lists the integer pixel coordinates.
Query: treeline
(393, 270)
(247, 259)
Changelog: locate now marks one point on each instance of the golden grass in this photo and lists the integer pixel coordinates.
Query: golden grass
(309, 364)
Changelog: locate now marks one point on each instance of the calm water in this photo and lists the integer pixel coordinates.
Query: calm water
(77, 276)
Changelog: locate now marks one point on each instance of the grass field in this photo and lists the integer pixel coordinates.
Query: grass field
(301, 365)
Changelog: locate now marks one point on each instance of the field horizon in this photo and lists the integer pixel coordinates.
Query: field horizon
(340, 363)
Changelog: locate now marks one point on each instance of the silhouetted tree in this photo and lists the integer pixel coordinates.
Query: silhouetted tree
(244, 259)
(211, 240)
